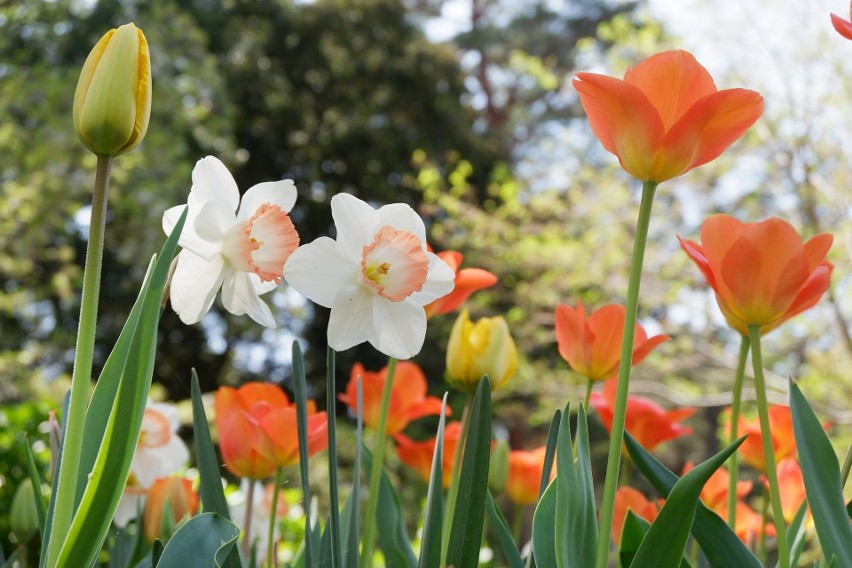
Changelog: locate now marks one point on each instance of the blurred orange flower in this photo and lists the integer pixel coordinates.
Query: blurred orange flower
(843, 27)
(468, 281)
(646, 421)
(525, 468)
(408, 396)
(781, 430)
(180, 495)
(592, 346)
(666, 117)
(762, 273)
(257, 429)
(418, 455)
(629, 498)
(791, 485)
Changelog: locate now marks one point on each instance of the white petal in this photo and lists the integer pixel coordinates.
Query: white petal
(318, 271)
(403, 217)
(400, 328)
(239, 297)
(168, 411)
(261, 287)
(440, 281)
(211, 221)
(211, 181)
(130, 506)
(194, 285)
(281, 193)
(189, 238)
(356, 224)
(150, 464)
(170, 218)
(351, 320)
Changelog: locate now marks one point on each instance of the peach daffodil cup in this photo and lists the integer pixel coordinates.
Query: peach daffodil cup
(666, 116)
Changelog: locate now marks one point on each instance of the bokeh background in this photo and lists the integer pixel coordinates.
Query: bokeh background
(461, 108)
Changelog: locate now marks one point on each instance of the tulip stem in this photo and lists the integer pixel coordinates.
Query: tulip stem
(69, 477)
(271, 557)
(768, 449)
(247, 521)
(588, 396)
(453, 487)
(376, 468)
(626, 362)
(333, 497)
(733, 467)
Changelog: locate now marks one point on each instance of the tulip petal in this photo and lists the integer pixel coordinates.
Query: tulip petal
(194, 285)
(570, 334)
(318, 270)
(643, 349)
(673, 81)
(696, 253)
(812, 290)
(843, 27)
(607, 327)
(623, 119)
(211, 181)
(356, 223)
(718, 233)
(281, 193)
(239, 297)
(399, 328)
(816, 249)
(350, 322)
(257, 393)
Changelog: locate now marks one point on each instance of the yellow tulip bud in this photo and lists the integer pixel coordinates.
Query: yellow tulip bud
(481, 348)
(112, 103)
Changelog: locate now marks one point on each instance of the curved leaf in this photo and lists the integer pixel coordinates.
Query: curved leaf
(430, 547)
(543, 533)
(504, 535)
(203, 540)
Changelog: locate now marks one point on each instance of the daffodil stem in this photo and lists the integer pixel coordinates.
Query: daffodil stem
(273, 518)
(81, 378)
(733, 468)
(376, 469)
(453, 487)
(620, 411)
(768, 449)
(247, 522)
(333, 497)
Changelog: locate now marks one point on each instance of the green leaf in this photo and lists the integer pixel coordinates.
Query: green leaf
(128, 380)
(796, 533)
(543, 533)
(204, 540)
(333, 526)
(469, 516)
(349, 521)
(632, 533)
(45, 537)
(721, 546)
(430, 546)
(665, 541)
(300, 395)
(12, 561)
(504, 534)
(821, 472)
(393, 540)
(35, 479)
(549, 455)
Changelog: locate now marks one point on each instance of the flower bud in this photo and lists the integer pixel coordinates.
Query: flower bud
(23, 520)
(498, 468)
(159, 522)
(112, 102)
(481, 348)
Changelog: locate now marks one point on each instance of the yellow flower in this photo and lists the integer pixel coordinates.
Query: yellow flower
(112, 103)
(481, 348)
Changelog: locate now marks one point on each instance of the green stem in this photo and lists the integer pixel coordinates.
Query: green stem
(733, 468)
(247, 520)
(764, 514)
(333, 497)
(768, 449)
(273, 518)
(844, 471)
(588, 397)
(376, 468)
(453, 488)
(81, 378)
(620, 411)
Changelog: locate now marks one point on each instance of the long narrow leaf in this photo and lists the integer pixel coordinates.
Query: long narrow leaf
(821, 472)
(543, 533)
(504, 534)
(334, 498)
(549, 456)
(721, 546)
(632, 534)
(430, 546)
(796, 533)
(469, 516)
(393, 540)
(48, 522)
(204, 540)
(35, 479)
(351, 509)
(105, 482)
(665, 541)
(302, 420)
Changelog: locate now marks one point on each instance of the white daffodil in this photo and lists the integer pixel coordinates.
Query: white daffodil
(376, 277)
(160, 452)
(241, 247)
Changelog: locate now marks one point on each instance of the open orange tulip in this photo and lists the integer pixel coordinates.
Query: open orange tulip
(781, 430)
(666, 117)
(762, 273)
(524, 478)
(792, 486)
(593, 346)
(418, 455)
(467, 281)
(408, 396)
(646, 421)
(632, 499)
(178, 492)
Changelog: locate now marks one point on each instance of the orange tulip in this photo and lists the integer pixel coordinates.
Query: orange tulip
(181, 496)
(843, 27)
(762, 273)
(257, 429)
(629, 498)
(781, 430)
(418, 455)
(646, 420)
(666, 117)
(468, 281)
(592, 347)
(408, 396)
(525, 468)
(791, 485)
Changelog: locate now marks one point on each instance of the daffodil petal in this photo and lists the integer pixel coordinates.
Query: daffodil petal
(402, 217)
(356, 224)
(194, 285)
(189, 239)
(400, 328)
(239, 298)
(440, 281)
(211, 181)
(211, 222)
(351, 320)
(261, 287)
(281, 193)
(319, 271)
(129, 507)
